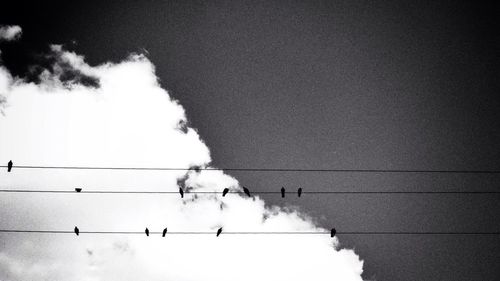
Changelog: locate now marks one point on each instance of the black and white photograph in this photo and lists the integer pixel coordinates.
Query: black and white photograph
(238, 140)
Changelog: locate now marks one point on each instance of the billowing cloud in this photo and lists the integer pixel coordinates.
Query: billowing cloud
(10, 32)
(123, 118)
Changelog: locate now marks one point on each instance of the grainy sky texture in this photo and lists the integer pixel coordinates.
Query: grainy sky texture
(323, 84)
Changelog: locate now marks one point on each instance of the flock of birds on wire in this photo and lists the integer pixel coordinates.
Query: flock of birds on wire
(333, 231)
(181, 191)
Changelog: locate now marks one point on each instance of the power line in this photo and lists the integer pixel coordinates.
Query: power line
(260, 169)
(252, 232)
(238, 192)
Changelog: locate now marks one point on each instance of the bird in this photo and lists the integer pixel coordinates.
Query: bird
(147, 231)
(9, 166)
(219, 231)
(77, 231)
(78, 189)
(333, 232)
(299, 191)
(181, 192)
(225, 191)
(164, 232)
(247, 192)
(283, 192)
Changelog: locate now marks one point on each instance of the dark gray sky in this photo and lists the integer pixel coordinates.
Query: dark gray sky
(325, 84)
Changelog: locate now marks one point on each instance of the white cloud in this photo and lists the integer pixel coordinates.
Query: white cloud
(10, 32)
(129, 120)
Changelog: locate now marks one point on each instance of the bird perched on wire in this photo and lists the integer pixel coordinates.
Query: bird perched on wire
(299, 191)
(78, 189)
(164, 232)
(181, 192)
(9, 166)
(283, 192)
(219, 231)
(225, 191)
(146, 231)
(333, 232)
(77, 231)
(247, 192)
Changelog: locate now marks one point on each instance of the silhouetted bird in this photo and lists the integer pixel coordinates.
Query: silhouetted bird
(78, 189)
(333, 232)
(9, 166)
(299, 192)
(225, 191)
(77, 231)
(247, 192)
(282, 192)
(147, 231)
(181, 192)
(164, 232)
(219, 231)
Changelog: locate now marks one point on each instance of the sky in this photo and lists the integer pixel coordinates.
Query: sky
(323, 84)
(123, 118)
